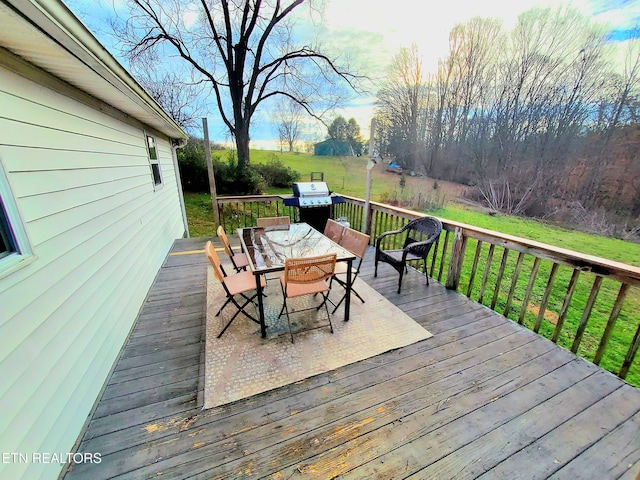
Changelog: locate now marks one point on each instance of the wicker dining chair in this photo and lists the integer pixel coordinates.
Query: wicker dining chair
(272, 221)
(333, 230)
(234, 284)
(420, 235)
(239, 259)
(307, 276)
(357, 243)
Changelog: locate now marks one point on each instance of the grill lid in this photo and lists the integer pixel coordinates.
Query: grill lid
(311, 194)
(310, 189)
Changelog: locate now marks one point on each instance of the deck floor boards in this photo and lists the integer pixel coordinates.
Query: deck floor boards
(484, 397)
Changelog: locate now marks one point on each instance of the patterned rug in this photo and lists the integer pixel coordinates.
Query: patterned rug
(242, 364)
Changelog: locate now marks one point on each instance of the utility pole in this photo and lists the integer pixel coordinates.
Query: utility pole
(370, 164)
(212, 178)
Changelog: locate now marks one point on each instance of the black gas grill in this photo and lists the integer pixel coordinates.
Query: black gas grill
(314, 202)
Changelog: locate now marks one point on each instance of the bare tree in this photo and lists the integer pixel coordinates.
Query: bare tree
(403, 99)
(619, 106)
(246, 52)
(465, 88)
(179, 98)
(288, 116)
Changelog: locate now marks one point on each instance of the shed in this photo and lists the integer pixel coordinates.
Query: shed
(90, 205)
(332, 147)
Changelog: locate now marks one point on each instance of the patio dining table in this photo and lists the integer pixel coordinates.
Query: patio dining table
(267, 248)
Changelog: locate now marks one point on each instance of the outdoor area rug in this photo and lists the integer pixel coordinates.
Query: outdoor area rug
(242, 364)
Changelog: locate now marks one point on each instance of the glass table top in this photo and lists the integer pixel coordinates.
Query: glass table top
(269, 247)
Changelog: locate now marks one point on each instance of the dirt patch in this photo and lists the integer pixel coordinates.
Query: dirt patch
(422, 184)
(549, 316)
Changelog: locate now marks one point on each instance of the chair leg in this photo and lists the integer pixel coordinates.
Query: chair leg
(240, 309)
(345, 296)
(400, 279)
(327, 310)
(286, 310)
(229, 323)
(227, 326)
(324, 301)
(358, 295)
(222, 307)
(338, 304)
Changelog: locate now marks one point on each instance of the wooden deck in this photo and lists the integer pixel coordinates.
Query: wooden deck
(483, 398)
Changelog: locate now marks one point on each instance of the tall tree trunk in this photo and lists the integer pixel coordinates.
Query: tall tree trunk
(242, 144)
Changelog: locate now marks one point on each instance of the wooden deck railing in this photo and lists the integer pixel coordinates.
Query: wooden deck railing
(242, 211)
(582, 302)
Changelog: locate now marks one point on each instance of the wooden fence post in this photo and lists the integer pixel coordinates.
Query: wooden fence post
(457, 258)
(212, 178)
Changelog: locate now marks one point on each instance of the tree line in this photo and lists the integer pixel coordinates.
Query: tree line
(538, 118)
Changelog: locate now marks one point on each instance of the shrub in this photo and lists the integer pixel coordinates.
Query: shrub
(231, 180)
(276, 173)
(193, 167)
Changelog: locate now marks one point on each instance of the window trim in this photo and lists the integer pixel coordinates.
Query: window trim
(17, 231)
(153, 162)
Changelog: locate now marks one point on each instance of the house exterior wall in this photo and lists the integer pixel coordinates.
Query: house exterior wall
(99, 232)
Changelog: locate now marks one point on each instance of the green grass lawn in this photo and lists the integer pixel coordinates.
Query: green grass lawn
(347, 176)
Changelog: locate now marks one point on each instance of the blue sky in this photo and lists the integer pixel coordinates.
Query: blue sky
(377, 32)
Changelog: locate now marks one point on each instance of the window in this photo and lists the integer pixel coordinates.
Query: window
(153, 161)
(14, 245)
(7, 240)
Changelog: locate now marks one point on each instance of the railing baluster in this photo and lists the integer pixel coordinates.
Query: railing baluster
(487, 268)
(527, 295)
(472, 277)
(496, 290)
(622, 293)
(355, 213)
(565, 304)
(514, 281)
(585, 314)
(444, 251)
(628, 359)
(384, 227)
(375, 215)
(434, 256)
(545, 297)
(387, 226)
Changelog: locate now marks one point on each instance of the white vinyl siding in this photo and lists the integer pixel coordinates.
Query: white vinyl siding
(99, 233)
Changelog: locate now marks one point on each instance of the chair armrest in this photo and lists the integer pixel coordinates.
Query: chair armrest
(386, 234)
(381, 237)
(418, 245)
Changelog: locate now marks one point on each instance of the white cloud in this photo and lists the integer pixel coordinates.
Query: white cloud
(403, 22)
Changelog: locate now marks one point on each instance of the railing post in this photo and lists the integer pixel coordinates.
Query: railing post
(212, 178)
(368, 218)
(457, 258)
